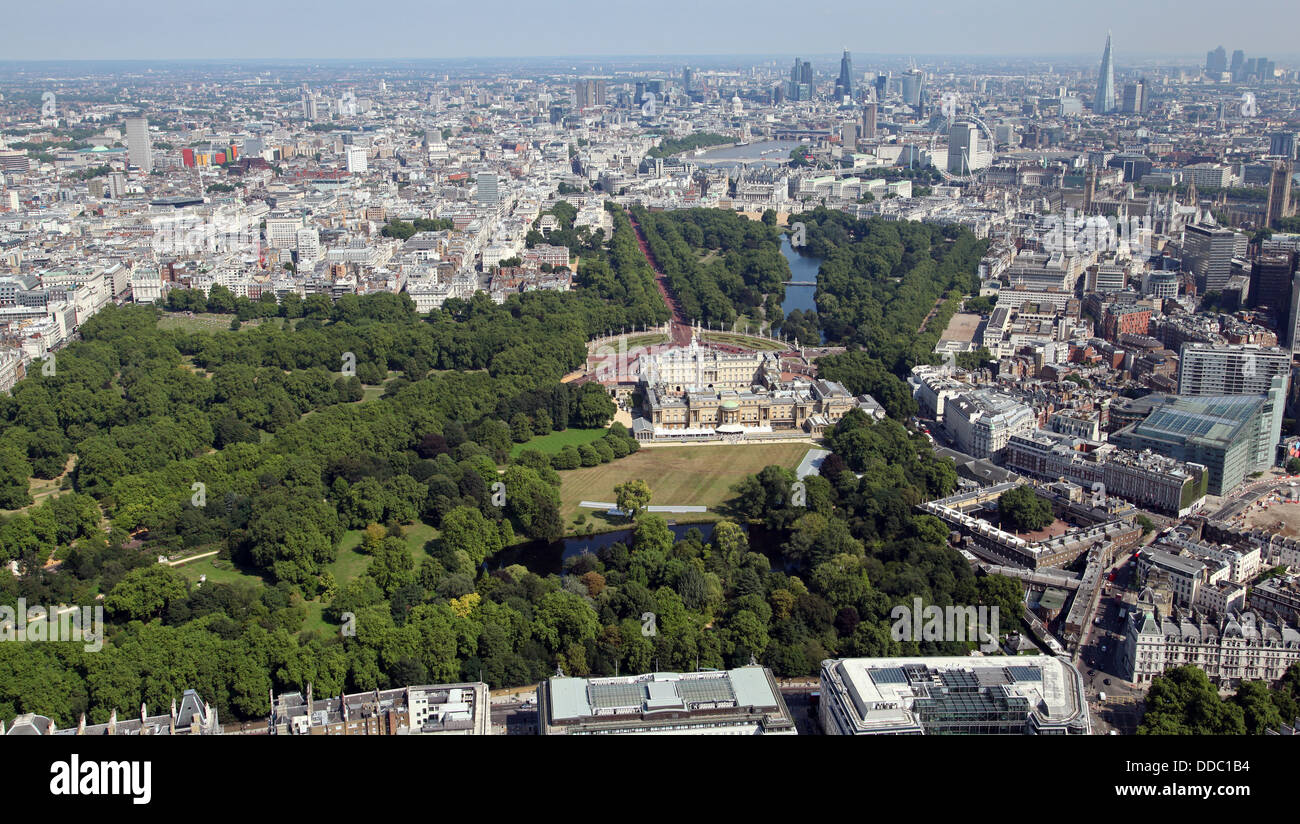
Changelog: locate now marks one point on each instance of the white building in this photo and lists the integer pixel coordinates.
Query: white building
(358, 163)
(956, 695)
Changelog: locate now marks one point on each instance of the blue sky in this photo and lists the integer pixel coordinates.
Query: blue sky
(167, 29)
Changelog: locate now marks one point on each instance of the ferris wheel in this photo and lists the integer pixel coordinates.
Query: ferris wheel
(969, 131)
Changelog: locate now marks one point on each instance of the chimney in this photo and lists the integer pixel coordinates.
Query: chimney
(81, 726)
(112, 722)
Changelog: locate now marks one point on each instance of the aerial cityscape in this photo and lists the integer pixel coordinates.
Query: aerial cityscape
(856, 392)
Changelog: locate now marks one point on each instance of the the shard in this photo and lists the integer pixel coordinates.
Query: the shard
(1104, 102)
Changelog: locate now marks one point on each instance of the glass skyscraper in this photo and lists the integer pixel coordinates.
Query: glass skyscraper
(1104, 102)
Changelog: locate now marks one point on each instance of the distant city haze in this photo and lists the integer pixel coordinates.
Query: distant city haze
(404, 29)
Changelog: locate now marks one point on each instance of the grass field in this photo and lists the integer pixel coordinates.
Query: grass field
(741, 341)
(649, 339)
(351, 562)
(677, 475)
(204, 322)
(218, 572)
(42, 489)
(551, 443)
(348, 565)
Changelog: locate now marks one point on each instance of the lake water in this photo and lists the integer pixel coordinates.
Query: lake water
(548, 559)
(545, 559)
(802, 267)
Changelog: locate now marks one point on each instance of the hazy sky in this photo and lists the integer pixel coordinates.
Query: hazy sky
(167, 29)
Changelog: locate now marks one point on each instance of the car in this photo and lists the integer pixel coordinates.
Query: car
(1091, 672)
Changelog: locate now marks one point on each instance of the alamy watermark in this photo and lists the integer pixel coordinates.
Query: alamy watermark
(951, 623)
(1073, 232)
(38, 623)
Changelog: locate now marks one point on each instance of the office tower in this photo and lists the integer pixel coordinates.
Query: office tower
(1104, 102)
(963, 145)
(308, 246)
(1291, 334)
(1283, 145)
(869, 121)
(687, 77)
(589, 92)
(1238, 60)
(137, 143)
(356, 159)
(1216, 62)
(1135, 95)
(882, 86)
(844, 86)
(1208, 369)
(1279, 193)
(488, 192)
(1270, 283)
(1208, 251)
(800, 80)
(913, 81)
(849, 135)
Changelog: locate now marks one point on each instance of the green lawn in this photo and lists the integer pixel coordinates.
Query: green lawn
(218, 572)
(203, 322)
(553, 442)
(351, 562)
(348, 565)
(649, 339)
(741, 341)
(677, 475)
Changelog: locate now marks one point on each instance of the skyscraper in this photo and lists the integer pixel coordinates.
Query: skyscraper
(488, 191)
(1238, 60)
(137, 143)
(1134, 97)
(844, 86)
(1104, 102)
(1216, 62)
(869, 121)
(963, 143)
(1208, 251)
(1270, 284)
(913, 82)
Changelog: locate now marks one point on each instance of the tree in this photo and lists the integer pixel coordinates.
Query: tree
(1182, 701)
(1023, 510)
(465, 529)
(632, 497)
(15, 472)
(144, 592)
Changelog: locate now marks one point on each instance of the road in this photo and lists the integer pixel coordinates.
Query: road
(680, 329)
(1100, 667)
(515, 713)
(1249, 493)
